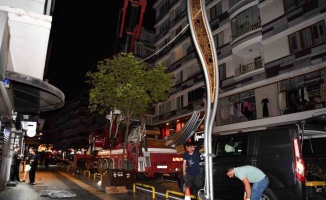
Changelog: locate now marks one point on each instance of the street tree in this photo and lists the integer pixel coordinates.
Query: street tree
(128, 85)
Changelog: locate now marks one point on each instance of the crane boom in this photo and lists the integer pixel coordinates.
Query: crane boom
(133, 29)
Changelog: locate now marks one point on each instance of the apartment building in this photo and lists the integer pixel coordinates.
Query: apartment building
(271, 62)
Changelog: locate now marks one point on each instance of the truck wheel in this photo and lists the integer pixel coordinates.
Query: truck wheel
(268, 195)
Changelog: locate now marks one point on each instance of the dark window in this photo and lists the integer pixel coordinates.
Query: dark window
(178, 30)
(222, 71)
(293, 4)
(307, 37)
(219, 39)
(180, 102)
(195, 95)
(216, 11)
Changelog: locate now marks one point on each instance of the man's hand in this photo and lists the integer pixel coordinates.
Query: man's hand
(247, 187)
(201, 149)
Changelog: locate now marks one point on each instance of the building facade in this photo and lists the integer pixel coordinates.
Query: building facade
(24, 93)
(271, 62)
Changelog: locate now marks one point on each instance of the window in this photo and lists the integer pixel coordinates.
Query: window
(216, 11)
(178, 30)
(258, 63)
(195, 95)
(166, 62)
(231, 146)
(245, 18)
(222, 71)
(164, 26)
(178, 77)
(179, 102)
(318, 32)
(168, 106)
(177, 11)
(294, 40)
(163, 43)
(178, 54)
(165, 107)
(164, 7)
(189, 49)
(149, 121)
(219, 39)
(292, 4)
(307, 37)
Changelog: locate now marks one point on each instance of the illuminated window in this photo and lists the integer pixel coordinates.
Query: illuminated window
(178, 54)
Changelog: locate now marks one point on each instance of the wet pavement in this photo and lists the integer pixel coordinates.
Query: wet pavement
(53, 182)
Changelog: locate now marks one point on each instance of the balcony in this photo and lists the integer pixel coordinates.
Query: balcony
(245, 69)
(175, 114)
(246, 29)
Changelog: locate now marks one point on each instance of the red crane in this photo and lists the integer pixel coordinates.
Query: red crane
(132, 31)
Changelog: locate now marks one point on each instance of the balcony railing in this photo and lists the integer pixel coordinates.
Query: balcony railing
(248, 68)
(247, 28)
(233, 2)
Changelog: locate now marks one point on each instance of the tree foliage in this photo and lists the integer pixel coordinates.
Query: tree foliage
(128, 85)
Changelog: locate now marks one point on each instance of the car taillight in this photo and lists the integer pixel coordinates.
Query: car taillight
(299, 164)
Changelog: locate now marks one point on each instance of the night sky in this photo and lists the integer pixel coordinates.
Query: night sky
(83, 33)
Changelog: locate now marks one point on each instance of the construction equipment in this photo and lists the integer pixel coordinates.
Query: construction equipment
(132, 30)
(146, 153)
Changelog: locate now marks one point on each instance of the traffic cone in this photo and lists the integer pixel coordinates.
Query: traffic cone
(187, 195)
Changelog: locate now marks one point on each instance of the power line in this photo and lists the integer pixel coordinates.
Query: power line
(158, 51)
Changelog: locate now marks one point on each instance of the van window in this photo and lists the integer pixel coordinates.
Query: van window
(231, 146)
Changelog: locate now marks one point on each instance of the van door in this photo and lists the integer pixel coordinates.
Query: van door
(275, 157)
(230, 150)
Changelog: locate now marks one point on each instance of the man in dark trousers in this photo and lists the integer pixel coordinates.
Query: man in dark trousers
(191, 168)
(15, 164)
(33, 163)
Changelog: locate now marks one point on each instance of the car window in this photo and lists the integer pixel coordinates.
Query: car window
(231, 146)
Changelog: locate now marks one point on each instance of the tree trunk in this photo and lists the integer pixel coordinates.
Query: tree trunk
(125, 145)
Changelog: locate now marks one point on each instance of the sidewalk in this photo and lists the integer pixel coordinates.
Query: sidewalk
(53, 179)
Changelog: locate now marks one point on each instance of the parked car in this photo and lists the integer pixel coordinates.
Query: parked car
(277, 151)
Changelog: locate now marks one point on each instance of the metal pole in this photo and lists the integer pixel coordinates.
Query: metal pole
(203, 41)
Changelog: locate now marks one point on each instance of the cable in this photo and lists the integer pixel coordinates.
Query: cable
(167, 43)
(162, 47)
